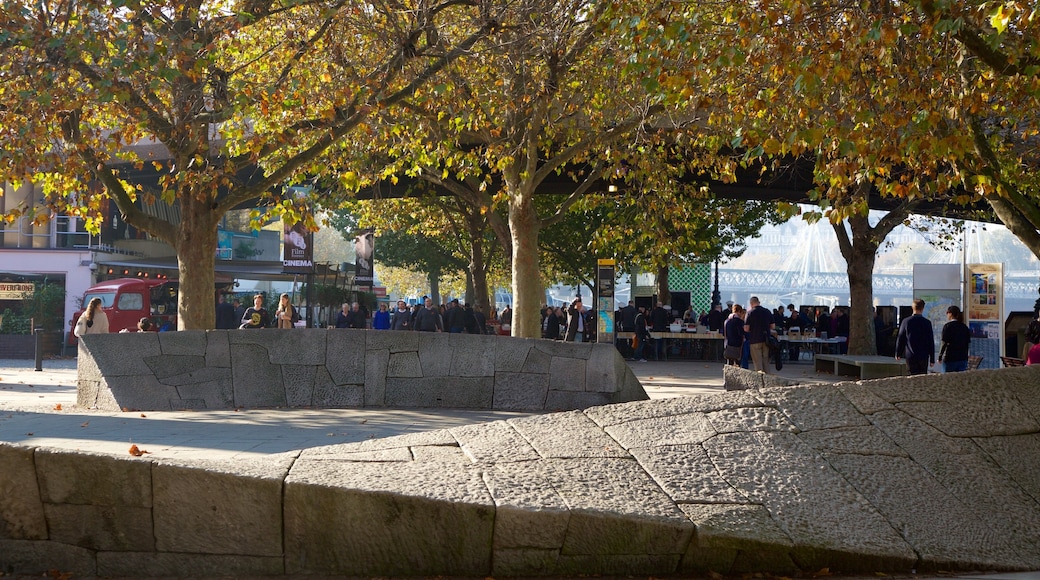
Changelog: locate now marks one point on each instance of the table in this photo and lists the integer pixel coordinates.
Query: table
(814, 346)
(692, 345)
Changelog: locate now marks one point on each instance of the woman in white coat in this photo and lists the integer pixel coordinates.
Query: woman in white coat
(93, 320)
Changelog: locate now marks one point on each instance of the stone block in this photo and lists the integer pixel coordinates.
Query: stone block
(83, 478)
(567, 435)
(692, 428)
(160, 565)
(21, 509)
(616, 508)
(617, 565)
(435, 354)
(301, 346)
(213, 395)
(537, 362)
(511, 355)
(257, 382)
(568, 400)
(614, 414)
(736, 539)
(687, 475)
(407, 519)
(439, 392)
(606, 369)
(218, 349)
(182, 342)
(108, 352)
(975, 410)
(814, 407)
(858, 440)
(40, 558)
(437, 437)
(345, 355)
(582, 350)
(944, 533)
(520, 392)
(198, 375)
(142, 393)
(735, 378)
(219, 508)
(328, 394)
(172, 366)
(838, 517)
(749, 419)
(440, 454)
(1018, 455)
(101, 527)
(495, 442)
(863, 398)
(404, 365)
(473, 355)
(377, 364)
(521, 562)
(299, 381)
(567, 374)
(393, 341)
(529, 513)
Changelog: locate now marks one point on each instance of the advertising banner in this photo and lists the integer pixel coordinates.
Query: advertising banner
(364, 253)
(606, 273)
(297, 249)
(16, 290)
(983, 310)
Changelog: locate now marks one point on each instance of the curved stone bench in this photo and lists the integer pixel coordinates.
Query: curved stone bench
(924, 473)
(338, 368)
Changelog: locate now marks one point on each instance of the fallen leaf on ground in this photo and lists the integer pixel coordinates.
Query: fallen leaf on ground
(364, 421)
(143, 415)
(137, 452)
(57, 407)
(29, 434)
(85, 424)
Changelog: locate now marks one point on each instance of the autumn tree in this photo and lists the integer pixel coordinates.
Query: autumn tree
(225, 101)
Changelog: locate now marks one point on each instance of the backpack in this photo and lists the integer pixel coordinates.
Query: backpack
(295, 315)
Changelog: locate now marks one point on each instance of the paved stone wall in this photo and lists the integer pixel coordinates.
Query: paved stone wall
(337, 368)
(923, 473)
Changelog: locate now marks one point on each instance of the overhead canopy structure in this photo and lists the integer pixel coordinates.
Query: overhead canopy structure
(226, 270)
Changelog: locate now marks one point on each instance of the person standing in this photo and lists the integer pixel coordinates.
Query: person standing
(956, 337)
(402, 318)
(916, 342)
(93, 320)
(381, 319)
(343, 316)
(734, 335)
(628, 317)
(759, 325)
(240, 311)
(642, 335)
(659, 323)
(506, 318)
(257, 316)
(357, 317)
(576, 321)
(841, 329)
(225, 314)
(428, 319)
(284, 313)
(716, 319)
(550, 324)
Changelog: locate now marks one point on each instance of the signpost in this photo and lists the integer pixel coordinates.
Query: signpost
(605, 276)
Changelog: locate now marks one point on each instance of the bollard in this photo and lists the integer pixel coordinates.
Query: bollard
(38, 335)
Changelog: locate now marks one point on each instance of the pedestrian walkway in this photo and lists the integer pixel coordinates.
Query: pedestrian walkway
(39, 408)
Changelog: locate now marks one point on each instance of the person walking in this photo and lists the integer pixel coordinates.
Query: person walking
(734, 336)
(759, 325)
(428, 318)
(256, 316)
(642, 335)
(381, 319)
(284, 313)
(93, 320)
(225, 315)
(953, 353)
(916, 341)
(402, 317)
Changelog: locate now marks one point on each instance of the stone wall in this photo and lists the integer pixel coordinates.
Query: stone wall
(927, 474)
(338, 368)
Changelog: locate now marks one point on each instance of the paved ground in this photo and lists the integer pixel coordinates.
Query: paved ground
(39, 408)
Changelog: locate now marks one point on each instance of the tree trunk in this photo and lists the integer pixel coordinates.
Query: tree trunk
(435, 286)
(664, 296)
(860, 269)
(527, 281)
(196, 252)
(860, 254)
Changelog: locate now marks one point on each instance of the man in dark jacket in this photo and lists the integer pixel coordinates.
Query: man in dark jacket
(628, 317)
(916, 341)
(576, 321)
(428, 319)
(759, 326)
(402, 317)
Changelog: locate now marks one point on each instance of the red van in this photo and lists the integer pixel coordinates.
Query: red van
(127, 300)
